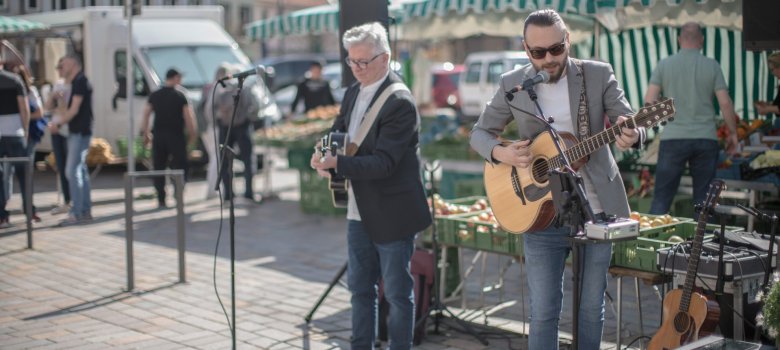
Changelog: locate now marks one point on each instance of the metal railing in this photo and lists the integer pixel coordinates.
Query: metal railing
(178, 184)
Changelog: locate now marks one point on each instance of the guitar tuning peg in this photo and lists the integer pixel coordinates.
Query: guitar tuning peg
(663, 123)
(671, 119)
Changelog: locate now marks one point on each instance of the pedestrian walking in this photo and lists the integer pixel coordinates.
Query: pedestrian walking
(56, 102)
(172, 113)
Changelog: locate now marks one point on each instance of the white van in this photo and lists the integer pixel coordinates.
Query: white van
(479, 79)
(189, 38)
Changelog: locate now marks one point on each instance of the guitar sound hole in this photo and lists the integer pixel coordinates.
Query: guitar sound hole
(540, 170)
(681, 322)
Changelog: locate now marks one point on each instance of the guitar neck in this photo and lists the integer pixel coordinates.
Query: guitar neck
(593, 143)
(693, 265)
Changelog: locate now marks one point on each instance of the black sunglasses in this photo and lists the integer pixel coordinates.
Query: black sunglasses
(554, 50)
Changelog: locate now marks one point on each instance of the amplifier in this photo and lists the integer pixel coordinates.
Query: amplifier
(738, 262)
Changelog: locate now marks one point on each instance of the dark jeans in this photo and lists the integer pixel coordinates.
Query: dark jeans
(701, 155)
(168, 150)
(13, 146)
(59, 145)
(368, 262)
(241, 135)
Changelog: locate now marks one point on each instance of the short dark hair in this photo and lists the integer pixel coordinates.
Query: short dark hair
(543, 18)
(172, 73)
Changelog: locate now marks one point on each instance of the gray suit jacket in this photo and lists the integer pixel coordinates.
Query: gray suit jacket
(604, 98)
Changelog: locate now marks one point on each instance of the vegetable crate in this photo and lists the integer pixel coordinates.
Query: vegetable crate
(640, 254)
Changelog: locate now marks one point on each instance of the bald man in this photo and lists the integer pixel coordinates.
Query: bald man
(693, 80)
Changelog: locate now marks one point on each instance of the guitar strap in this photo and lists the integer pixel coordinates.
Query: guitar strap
(583, 119)
(368, 119)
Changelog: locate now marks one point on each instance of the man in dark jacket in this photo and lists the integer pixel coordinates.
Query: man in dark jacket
(387, 204)
(314, 91)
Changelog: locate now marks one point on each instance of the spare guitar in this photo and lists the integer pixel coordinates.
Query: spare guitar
(336, 143)
(687, 315)
(521, 199)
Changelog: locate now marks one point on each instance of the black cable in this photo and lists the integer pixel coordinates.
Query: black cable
(221, 214)
(507, 100)
(636, 339)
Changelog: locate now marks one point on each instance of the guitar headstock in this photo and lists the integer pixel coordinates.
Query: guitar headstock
(324, 146)
(713, 195)
(661, 111)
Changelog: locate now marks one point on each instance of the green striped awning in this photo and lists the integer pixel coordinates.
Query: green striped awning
(634, 54)
(313, 20)
(613, 14)
(17, 25)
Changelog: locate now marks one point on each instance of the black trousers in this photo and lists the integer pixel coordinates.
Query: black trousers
(168, 151)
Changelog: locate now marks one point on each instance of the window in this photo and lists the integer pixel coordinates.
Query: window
(473, 72)
(226, 16)
(495, 69)
(63, 4)
(120, 66)
(245, 14)
(198, 63)
(32, 4)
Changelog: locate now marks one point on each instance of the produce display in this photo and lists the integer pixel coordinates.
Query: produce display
(323, 112)
(648, 221)
(768, 159)
(444, 207)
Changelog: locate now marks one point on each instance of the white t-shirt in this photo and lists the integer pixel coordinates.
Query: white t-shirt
(364, 98)
(554, 99)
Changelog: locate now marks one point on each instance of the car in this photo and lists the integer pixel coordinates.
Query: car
(446, 78)
(480, 78)
(283, 71)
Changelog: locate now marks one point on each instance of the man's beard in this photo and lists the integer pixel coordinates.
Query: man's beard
(556, 75)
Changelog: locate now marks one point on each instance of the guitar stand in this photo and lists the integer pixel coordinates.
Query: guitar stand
(336, 280)
(438, 308)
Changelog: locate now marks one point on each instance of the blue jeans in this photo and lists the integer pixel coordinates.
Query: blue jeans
(78, 175)
(59, 145)
(701, 155)
(545, 257)
(368, 261)
(12, 146)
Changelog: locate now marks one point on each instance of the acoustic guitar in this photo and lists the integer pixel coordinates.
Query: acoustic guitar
(687, 315)
(336, 143)
(521, 199)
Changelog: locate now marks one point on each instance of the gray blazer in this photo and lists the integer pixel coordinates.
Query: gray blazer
(604, 98)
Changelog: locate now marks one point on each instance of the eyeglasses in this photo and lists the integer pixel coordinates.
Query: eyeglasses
(362, 64)
(554, 50)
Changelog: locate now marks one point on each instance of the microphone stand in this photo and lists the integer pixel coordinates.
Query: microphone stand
(577, 203)
(773, 219)
(227, 155)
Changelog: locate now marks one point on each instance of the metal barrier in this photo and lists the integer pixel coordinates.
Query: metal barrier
(178, 185)
(27, 190)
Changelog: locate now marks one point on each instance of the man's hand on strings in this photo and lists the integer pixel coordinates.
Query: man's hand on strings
(628, 136)
(517, 153)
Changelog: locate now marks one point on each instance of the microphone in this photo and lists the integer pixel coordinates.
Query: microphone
(541, 77)
(259, 69)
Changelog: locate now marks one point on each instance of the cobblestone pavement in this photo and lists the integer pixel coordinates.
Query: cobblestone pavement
(69, 292)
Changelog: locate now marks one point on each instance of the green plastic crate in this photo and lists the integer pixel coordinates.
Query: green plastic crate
(483, 236)
(640, 254)
(298, 158)
(315, 196)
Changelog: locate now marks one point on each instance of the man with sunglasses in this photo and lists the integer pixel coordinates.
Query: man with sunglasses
(386, 201)
(578, 93)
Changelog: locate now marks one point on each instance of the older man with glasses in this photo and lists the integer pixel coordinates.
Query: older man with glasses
(578, 95)
(386, 200)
